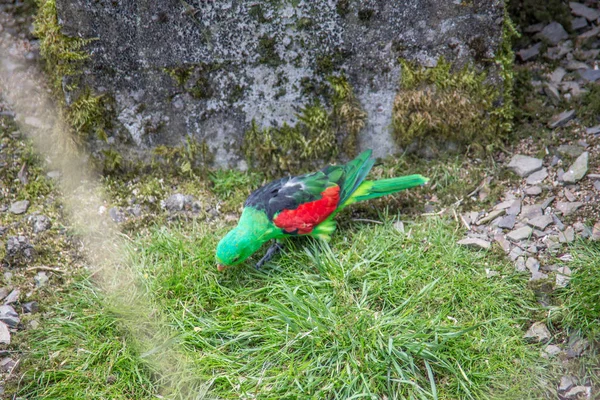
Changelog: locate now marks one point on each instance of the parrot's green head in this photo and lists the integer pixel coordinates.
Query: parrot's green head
(244, 240)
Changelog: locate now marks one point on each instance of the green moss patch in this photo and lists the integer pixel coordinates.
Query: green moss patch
(320, 134)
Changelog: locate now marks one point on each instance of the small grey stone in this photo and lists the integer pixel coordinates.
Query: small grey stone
(568, 208)
(591, 34)
(4, 292)
(178, 202)
(13, 296)
(563, 276)
(19, 246)
(515, 208)
(552, 93)
(539, 234)
(537, 177)
(597, 185)
(572, 87)
(116, 215)
(520, 264)
(575, 65)
(561, 119)
(520, 234)
(9, 316)
(491, 216)
(595, 232)
(557, 75)
(531, 211)
(399, 226)
(475, 243)
(540, 222)
(576, 391)
(41, 223)
(41, 279)
(578, 170)
(7, 364)
(569, 195)
(507, 222)
(533, 191)
(4, 333)
(551, 350)
(567, 236)
(19, 207)
(570, 150)
(553, 33)
(501, 240)
(577, 346)
(581, 10)
(579, 23)
(547, 202)
(589, 75)
(535, 28)
(533, 249)
(30, 307)
(530, 52)
(539, 332)
(532, 264)
(566, 383)
(515, 253)
(594, 130)
(559, 224)
(524, 165)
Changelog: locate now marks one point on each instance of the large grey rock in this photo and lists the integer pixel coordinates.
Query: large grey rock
(19, 207)
(206, 69)
(581, 10)
(524, 165)
(577, 170)
(553, 33)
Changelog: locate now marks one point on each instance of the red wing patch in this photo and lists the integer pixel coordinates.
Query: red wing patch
(303, 219)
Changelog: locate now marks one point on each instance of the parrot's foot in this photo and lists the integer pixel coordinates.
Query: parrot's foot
(274, 249)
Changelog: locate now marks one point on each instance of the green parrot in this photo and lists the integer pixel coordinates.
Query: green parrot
(304, 205)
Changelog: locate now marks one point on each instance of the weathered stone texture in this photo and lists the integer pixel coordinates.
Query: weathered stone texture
(206, 69)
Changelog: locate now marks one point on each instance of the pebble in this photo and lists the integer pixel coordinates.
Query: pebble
(584, 37)
(4, 333)
(533, 191)
(594, 130)
(581, 10)
(41, 223)
(569, 195)
(9, 316)
(530, 52)
(491, 216)
(507, 222)
(13, 296)
(595, 232)
(579, 23)
(547, 202)
(515, 208)
(567, 236)
(399, 226)
(578, 169)
(524, 165)
(540, 222)
(19, 207)
(589, 75)
(520, 264)
(19, 246)
(575, 65)
(41, 279)
(557, 75)
(537, 177)
(531, 211)
(7, 364)
(553, 33)
(561, 119)
(520, 234)
(563, 276)
(577, 346)
(538, 331)
(552, 92)
(559, 224)
(30, 307)
(568, 208)
(570, 150)
(576, 391)
(475, 243)
(566, 383)
(515, 253)
(551, 350)
(178, 202)
(501, 240)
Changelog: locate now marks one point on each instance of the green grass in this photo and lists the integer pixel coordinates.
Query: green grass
(375, 314)
(581, 299)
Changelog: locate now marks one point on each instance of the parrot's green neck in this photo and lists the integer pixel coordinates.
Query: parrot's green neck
(255, 224)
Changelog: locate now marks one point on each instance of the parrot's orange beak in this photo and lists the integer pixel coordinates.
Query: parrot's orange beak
(221, 267)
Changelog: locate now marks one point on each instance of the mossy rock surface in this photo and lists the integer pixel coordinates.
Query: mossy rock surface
(159, 74)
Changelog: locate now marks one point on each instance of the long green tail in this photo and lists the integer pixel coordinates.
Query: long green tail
(373, 189)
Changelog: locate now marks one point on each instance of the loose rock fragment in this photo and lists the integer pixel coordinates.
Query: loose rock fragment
(530, 52)
(561, 119)
(475, 243)
(491, 216)
(533, 191)
(568, 208)
(19, 207)
(566, 383)
(507, 222)
(538, 331)
(575, 392)
(581, 10)
(524, 165)
(567, 236)
(520, 234)
(553, 33)
(551, 350)
(540, 222)
(578, 170)
(537, 177)
(9, 316)
(4, 333)
(563, 276)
